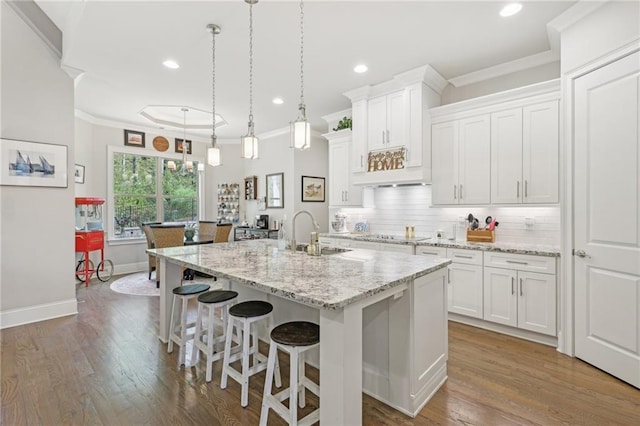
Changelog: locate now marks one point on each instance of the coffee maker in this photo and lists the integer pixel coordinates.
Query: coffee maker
(262, 221)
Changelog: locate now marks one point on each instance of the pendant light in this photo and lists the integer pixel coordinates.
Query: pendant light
(249, 143)
(213, 153)
(185, 144)
(301, 129)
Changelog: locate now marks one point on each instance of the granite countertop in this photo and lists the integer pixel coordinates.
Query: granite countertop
(328, 281)
(516, 248)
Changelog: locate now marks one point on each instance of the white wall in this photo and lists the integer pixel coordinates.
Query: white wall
(37, 224)
(411, 205)
(92, 141)
(534, 75)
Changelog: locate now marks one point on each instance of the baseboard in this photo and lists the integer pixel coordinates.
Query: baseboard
(21, 316)
(505, 329)
(130, 268)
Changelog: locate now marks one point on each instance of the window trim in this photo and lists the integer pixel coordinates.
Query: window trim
(108, 219)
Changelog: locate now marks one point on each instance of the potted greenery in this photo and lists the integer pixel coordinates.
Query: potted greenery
(345, 123)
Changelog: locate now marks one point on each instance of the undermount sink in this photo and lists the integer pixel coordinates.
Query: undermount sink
(325, 250)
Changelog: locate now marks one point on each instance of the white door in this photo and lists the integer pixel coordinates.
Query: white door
(540, 152)
(377, 121)
(396, 119)
(465, 289)
(500, 300)
(506, 156)
(338, 173)
(474, 160)
(537, 302)
(444, 152)
(607, 218)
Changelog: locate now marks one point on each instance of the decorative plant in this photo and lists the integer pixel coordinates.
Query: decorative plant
(345, 123)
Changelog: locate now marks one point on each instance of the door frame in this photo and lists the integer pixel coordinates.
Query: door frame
(566, 323)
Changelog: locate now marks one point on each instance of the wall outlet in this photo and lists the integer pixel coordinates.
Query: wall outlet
(529, 222)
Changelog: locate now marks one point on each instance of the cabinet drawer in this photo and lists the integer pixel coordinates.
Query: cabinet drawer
(431, 251)
(470, 257)
(521, 262)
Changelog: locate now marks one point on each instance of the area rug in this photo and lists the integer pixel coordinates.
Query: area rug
(137, 284)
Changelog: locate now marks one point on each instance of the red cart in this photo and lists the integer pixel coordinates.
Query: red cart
(90, 237)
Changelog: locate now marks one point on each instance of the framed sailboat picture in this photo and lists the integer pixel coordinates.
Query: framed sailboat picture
(32, 164)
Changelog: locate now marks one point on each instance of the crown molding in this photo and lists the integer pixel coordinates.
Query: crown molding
(499, 70)
(574, 14)
(40, 23)
(424, 74)
(359, 94)
(337, 116)
(99, 121)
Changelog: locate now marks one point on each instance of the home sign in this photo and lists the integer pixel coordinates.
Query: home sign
(386, 160)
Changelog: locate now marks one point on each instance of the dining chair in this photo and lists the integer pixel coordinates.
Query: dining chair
(149, 234)
(166, 236)
(222, 233)
(207, 230)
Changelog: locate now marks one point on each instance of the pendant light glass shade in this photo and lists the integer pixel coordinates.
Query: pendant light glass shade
(213, 152)
(301, 129)
(249, 142)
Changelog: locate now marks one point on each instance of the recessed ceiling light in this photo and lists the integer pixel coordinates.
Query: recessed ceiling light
(277, 101)
(361, 68)
(170, 63)
(510, 9)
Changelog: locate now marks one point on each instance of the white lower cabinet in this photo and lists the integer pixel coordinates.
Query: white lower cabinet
(465, 282)
(520, 298)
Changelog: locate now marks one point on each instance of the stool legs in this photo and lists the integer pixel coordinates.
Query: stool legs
(302, 401)
(183, 330)
(293, 387)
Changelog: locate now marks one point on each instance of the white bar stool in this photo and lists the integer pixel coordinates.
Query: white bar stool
(244, 315)
(296, 338)
(178, 332)
(205, 340)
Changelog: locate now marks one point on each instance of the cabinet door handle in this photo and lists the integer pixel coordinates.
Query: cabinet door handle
(518, 190)
(361, 160)
(461, 191)
(346, 195)
(521, 287)
(448, 275)
(463, 257)
(526, 188)
(388, 138)
(455, 192)
(383, 139)
(517, 262)
(512, 286)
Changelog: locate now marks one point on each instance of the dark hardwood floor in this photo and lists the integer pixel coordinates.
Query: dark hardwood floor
(106, 366)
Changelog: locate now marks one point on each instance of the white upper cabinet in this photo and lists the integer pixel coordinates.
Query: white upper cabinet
(540, 152)
(524, 154)
(505, 148)
(341, 191)
(387, 121)
(395, 116)
(461, 161)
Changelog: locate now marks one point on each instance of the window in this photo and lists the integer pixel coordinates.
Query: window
(146, 188)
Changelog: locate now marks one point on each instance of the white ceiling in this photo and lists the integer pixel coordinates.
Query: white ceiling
(120, 46)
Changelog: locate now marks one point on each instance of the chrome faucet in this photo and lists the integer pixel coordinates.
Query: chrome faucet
(293, 226)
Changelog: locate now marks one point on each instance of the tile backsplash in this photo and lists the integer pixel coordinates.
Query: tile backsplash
(411, 205)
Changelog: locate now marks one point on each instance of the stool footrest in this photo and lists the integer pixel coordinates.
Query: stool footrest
(276, 405)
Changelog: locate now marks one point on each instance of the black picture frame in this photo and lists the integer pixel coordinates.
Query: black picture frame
(313, 189)
(134, 138)
(178, 145)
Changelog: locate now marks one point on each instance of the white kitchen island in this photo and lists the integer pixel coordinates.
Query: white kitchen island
(393, 305)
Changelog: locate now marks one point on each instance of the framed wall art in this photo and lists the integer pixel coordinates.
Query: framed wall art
(133, 138)
(79, 174)
(32, 164)
(179, 144)
(313, 189)
(275, 191)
